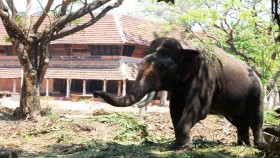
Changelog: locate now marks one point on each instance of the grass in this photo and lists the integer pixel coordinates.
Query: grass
(101, 148)
(271, 117)
(133, 140)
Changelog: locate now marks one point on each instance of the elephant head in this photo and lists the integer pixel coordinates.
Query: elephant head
(160, 69)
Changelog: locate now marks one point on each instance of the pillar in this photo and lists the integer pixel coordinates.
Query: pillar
(124, 88)
(84, 87)
(47, 87)
(119, 88)
(104, 85)
(14, 86)
(68, 87)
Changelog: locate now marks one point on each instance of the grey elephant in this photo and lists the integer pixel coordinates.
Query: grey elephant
(225, 86)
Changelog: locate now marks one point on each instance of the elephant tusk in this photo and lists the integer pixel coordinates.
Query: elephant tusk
(144, 101)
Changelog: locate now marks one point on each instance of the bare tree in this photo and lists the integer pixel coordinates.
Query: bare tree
(32, 43)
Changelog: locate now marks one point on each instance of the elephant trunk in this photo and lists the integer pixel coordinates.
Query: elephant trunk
(133, 96)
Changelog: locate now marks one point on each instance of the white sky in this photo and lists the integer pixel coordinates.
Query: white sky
(127, 5)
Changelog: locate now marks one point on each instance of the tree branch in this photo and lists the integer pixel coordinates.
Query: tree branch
(274, 10)
(44, 57)
(230, 42)
(225, 19)
(87, 24)
(12, 8)
(60, 23)
(259, 74)
(64, 6)
(23, 58)
(221, 28)
(234, 26)
(210, 36)
(196, 36)
(43, 16)
(12, 29)
(3, 7)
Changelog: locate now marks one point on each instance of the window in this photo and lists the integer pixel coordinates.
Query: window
(128, 50)
(80, 50)
(104, 49)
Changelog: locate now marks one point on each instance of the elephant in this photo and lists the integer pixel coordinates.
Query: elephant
(198, 86)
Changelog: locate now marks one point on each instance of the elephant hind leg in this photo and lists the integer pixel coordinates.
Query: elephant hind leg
(242, 129)
(255, 122)
(254, 114)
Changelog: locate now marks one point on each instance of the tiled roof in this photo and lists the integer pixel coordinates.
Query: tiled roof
(10, 72)
(95, 68)
(111, 29)
(137, 30)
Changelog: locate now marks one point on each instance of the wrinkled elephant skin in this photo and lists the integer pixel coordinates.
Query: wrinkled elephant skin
(197, 86)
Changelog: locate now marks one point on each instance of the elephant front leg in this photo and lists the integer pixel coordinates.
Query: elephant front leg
(183, 120)
(182, 130)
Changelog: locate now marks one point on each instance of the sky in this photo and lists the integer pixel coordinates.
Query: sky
(127, 6)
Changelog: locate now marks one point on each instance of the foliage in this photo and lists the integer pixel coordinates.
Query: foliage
(259, 47)
(271, 117)
(133, 126)
(6, 39)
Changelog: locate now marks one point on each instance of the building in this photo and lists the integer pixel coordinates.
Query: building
(103, 56)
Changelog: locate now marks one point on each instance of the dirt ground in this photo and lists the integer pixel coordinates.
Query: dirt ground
(29, 138)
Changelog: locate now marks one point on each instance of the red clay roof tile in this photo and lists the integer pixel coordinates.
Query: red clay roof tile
(105, 31)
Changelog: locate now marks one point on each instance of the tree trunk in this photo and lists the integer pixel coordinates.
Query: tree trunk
(34, 60)
(273, 97)
(30, 96)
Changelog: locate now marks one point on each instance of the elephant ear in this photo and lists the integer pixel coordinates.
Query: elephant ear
(189, 63)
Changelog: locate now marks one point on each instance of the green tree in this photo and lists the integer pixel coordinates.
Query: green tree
(32, 43)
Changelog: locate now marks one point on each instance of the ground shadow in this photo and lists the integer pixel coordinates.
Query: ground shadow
(145, 149)
(6, 114)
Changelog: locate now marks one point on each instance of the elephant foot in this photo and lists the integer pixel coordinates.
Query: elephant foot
(261, 145)
(176, 146)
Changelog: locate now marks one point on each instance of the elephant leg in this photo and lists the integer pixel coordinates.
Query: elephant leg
(255, 122)
(182, 129)
(176, 112)
(242, 129)
(183, 120)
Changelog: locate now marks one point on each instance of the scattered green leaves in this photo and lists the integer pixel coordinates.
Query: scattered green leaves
(133, 126)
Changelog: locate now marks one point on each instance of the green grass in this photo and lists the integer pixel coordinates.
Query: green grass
(271, 117)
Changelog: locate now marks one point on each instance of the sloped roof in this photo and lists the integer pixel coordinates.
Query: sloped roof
(93, 68)
(137, 30)
(111, 29)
